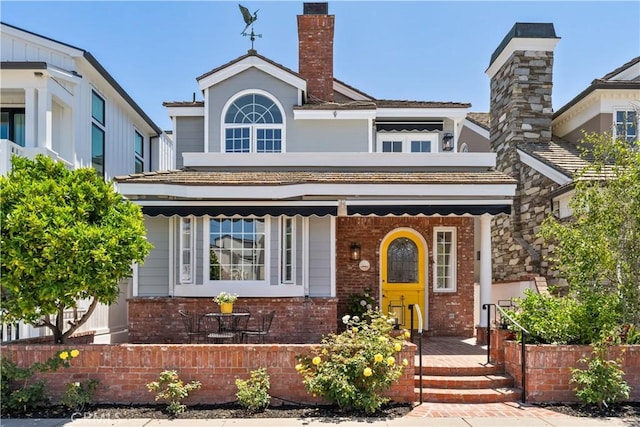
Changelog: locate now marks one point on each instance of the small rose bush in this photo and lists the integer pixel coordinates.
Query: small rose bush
(353, 368)
(360, 303)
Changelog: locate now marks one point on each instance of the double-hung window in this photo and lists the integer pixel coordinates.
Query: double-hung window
(287, 250)
(138, 150)
(253, 123)
(97, 133)
(187, 249)
(626, 125)
(444, 256)
(237, 249)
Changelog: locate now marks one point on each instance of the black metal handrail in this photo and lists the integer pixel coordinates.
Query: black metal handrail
(417, 308)
(523, 333)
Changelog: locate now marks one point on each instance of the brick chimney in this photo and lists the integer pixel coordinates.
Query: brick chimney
(315, 50)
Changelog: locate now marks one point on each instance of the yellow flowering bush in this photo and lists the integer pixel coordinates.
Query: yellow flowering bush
(353, 368)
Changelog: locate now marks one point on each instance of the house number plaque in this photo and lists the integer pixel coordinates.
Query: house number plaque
(364, 265)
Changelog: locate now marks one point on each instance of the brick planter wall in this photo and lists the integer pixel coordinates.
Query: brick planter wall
(155, 320)
(548, 373)
(124, 370)
(79, 338)
(369, 232)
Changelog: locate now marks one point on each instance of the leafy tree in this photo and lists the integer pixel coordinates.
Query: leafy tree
(66, 235)
(598, 250)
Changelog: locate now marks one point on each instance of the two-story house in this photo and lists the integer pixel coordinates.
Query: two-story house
(58, 100)
(296, 190)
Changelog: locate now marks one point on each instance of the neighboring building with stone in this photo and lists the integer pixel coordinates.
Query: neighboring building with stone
(297, 190)
(540, 148)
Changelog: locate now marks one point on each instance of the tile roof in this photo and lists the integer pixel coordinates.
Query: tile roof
(481, 119)
(250, 52)
(366, 95)
(259, 178)
(560, 155)
(393, 103)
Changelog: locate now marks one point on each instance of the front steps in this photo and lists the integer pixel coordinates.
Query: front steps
(465, 384)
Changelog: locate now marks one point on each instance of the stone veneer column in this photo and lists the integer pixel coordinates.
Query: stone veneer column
(521, 112)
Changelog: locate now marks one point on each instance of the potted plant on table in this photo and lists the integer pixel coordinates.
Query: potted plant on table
(226, 300)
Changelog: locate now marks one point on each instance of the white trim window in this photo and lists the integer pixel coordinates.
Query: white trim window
(626, 125)
(388, 142)
(97, 133)
(444, 256)
(138, 151)
(253, 123)
(237, 250)
(187, 249)
(287, 250)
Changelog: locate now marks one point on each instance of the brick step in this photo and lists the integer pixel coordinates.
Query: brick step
(461, 371)
(457, 395)
(465, 382)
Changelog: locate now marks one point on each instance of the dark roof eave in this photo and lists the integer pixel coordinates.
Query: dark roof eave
(595, 85)
(23, 65)
(94, 62)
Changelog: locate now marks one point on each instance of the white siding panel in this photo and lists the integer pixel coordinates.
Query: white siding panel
(153, 274)
(320, 256)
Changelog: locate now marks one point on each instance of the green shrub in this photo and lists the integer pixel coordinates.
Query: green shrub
(601, 383)
(253, 394)
(354, 367)
(172, 389)
(359, 304)
(568, 319)
(78, 394)
(18, 393)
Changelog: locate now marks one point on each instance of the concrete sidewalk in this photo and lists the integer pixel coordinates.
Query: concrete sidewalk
(556, 421)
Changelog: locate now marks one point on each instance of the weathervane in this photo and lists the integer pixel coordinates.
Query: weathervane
(249, 20)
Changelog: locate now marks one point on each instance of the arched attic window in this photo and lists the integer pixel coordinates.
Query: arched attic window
(253, 124)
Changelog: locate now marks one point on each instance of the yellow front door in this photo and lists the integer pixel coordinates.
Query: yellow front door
(403, 274)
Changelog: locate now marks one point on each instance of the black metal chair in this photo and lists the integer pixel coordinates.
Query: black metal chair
(192, 326)
(263, 325)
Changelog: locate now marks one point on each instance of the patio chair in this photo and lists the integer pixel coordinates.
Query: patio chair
(192, 326)
(264, 320)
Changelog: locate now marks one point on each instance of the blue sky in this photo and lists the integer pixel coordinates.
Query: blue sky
(418, 50)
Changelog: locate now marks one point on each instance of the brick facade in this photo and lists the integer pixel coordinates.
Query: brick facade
(448, 313)
(124, 370)
(548, 372)
(521, 111)
(297, 320)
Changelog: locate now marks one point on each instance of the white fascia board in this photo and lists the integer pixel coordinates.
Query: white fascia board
(521, 44)
(185, 111)
(544, 169)
(260, 64)
(346, 159)
(477, 129)
(412, 113)
(348, 92)
(42, 41)
(432, 202)
(257, 192)
(334, 114)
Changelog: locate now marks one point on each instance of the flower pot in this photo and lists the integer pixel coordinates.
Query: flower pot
(226, 307)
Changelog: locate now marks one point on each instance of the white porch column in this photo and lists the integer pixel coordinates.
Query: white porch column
(30, 118)
(45, 119)
(485, 266)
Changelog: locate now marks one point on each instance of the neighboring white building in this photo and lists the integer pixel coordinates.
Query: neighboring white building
(58, 100)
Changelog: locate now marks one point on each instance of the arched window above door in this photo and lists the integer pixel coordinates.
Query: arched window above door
(253, 123)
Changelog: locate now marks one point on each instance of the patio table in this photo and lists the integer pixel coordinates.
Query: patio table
(221, 326)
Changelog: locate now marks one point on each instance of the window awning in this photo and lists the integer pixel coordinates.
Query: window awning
(382, 210)
(227, 210)
(410, 126)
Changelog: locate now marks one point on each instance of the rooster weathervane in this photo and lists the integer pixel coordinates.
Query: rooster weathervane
(249, 19)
